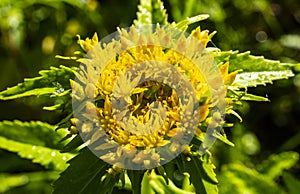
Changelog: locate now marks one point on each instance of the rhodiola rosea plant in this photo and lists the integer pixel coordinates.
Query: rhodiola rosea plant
(142, 109)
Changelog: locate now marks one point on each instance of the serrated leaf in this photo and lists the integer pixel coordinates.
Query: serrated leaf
(83, 175)
(202, 175)
(249, 63)
(291, 183)
(252, 97)
(159, 13)
(35, 133)
(242, 95)
(184, 24)
(237, 178)
(53, 81)
(253, 79)
(150, 12)
(277, 163)
(208, 168)
(50, 158)
(62, 101)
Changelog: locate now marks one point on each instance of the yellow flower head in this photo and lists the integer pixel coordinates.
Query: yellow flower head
(146, 95)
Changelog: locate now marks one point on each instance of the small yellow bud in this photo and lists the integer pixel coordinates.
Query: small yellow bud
(187, 149)
(73, 130)
(74, 121)
(117, 168)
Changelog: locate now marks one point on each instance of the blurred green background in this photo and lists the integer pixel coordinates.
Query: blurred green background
(32, 32)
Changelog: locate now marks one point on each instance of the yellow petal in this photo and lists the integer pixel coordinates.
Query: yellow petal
(107, 105)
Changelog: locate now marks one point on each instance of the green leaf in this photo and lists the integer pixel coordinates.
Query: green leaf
(202, 174)
(242, 95)
(73, 144)
(291, 143)
(184, 24)
(9, 181)
(253, 79)
(83, 175)
(249, 63)
(163, 173)
(186, 184)
(55, 3)
(108, 183)
(51, 82)
(232, 112)
(150, 12)
(208, 167)
(252, 97)
(180, 162)
(223, 138)
(158, 183)
(237, 178)
(124, 182)
(35, 133)
(61, 101)
(290, 41)
(292, 183)
(146, 187)
(36, 141)
(274, 166)
(153, 183)
(50, 158)
(159, 13)
(136, 177)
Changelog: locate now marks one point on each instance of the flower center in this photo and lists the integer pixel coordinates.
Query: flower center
(152, 112)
